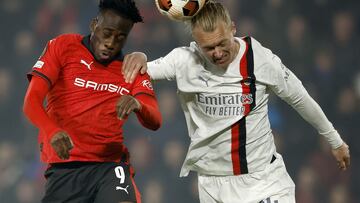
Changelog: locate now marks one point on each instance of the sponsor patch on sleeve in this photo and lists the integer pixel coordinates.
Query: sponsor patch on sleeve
(147, 84)
(38, 64)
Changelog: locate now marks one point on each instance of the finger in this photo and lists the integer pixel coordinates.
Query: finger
(127, 107)
(68, 142)
(127, 68)
(121, 106)
(128, 65)
(126, 110)
(57, 149)
(131, 108)
(143, 69)
(56, 146)
(66, 147)
(124, 65)
(133, 71)
(66, 154)
(342, 165)
(134, 74)
(347, 161)
(60, 150)
(135, 106)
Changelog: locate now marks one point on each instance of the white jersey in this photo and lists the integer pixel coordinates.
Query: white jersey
(227, 110)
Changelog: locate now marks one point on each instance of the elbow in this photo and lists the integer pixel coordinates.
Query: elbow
(26, 107)
(29, 107)
(156, 125)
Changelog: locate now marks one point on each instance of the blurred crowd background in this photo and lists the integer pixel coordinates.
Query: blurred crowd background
(317, 39)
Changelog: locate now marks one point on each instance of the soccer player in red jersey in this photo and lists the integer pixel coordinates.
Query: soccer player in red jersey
(88, 101)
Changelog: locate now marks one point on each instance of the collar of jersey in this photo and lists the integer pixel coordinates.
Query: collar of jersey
(86, 42)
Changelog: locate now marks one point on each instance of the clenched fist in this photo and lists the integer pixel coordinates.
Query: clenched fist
(62, 144)
(126, 105)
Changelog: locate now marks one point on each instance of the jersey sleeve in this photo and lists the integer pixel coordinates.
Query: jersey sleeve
(149, 115)
(142, 85)
(50, 61)
(164, 67)
(288, 87)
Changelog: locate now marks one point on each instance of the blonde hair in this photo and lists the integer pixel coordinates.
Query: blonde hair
(210, 15)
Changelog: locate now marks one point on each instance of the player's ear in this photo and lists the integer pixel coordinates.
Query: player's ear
(93, 24)
(233, 28)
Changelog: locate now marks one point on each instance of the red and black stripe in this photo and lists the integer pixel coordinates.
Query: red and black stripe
(40, 74)
(238, 130)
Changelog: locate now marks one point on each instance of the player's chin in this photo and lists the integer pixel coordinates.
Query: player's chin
(222, 64)
(104, 60)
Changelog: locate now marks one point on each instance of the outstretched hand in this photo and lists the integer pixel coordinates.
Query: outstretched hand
(62, 144)
(342, 156)
(126, 105)
(132, 64)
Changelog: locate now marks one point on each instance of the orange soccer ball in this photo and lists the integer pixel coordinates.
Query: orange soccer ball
(179, 9)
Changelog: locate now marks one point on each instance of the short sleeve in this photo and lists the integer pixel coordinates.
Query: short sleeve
(49, 63)
(142, 85)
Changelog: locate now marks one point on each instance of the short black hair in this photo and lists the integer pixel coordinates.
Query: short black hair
(125, 8)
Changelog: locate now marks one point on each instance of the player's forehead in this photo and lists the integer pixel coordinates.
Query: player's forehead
(211, 38)
(109, 19)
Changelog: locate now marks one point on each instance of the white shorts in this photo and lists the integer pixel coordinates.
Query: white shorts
(273, 185)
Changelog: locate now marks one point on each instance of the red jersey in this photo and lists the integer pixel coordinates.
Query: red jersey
(82, 99)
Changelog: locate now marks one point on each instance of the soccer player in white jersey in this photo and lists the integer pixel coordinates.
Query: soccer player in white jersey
(223, 84)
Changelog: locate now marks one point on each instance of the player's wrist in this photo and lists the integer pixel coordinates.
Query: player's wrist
(139, 105)
(53, 132)
(334, 139)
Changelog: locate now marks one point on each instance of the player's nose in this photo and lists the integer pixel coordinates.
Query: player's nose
(218, 53)
(110, 43)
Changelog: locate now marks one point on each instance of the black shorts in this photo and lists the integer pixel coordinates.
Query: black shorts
(87, 182)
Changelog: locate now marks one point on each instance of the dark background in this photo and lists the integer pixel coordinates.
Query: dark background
(317, 39)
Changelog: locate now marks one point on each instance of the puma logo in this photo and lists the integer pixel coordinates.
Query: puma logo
(88, 65)
(206, 80)
(121, 188)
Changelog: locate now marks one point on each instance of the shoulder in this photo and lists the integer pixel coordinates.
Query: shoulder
(66, 39)
(261, 54)
(70, 37)
(186, 55)
(251, 41)
(182, 52)
(144, 80)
